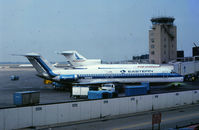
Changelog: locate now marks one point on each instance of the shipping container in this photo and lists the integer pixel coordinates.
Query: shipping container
(146, 84)
(103, 94)
(26, 98)
(135, 90)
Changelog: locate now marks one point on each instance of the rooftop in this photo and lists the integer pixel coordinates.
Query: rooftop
(162, 20)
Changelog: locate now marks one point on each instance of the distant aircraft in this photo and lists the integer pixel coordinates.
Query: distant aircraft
(77, 60)
(30, 65)
(104, 73)
(25, 65)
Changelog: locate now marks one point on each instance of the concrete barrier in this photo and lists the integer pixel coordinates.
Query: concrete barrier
(51, 114)
(39, 115)
(143, 103)
(104, 105)
(24, 117)
(170, 100)
(85, 110)
(132, 101)
(95, 109)
(123, 105)
(114, 110)
(159, 101)
(2, 121)
(74, 111)
(63, 112)
(195, 96)
(186, 98)
(11, 118)
(14, 118)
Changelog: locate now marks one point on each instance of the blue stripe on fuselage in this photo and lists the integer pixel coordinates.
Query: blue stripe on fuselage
(146, 75)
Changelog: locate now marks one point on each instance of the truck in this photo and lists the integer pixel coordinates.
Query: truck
(108, 87)
(82, 91)
(105, 91)
(189, 69)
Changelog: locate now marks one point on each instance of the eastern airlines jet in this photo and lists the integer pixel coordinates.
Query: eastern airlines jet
(104, 73)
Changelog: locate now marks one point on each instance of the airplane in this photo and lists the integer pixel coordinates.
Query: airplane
(77, 60)
(104, 73)
(30, 65)
(25, 65)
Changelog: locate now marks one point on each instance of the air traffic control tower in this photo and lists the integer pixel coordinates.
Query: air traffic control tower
(162, 40)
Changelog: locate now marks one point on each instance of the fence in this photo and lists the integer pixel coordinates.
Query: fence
(21, 117)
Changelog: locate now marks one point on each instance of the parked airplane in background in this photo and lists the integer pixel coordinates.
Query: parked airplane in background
(30, 65)
(77, 60)
(25, 65)
(104, 73)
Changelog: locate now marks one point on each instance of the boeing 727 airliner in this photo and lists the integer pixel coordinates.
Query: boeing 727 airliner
(104, 73)
(77, 60)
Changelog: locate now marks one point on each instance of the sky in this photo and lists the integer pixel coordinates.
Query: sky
(110, 30)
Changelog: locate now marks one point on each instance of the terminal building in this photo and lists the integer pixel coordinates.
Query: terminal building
(162, 40)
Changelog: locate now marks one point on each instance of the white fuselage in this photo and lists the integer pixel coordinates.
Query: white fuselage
(116, 69)
(123, 73)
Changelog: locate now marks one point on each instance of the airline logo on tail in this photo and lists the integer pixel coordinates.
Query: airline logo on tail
(78, 59)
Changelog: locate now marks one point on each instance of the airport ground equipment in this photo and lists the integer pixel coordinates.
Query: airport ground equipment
(135, 90)
(189, 69)
(108, 87)
(58, 85)
(102, 94)
(47, 81)
(26, 98)
(147, 85)
(80, 91)
(14, 77)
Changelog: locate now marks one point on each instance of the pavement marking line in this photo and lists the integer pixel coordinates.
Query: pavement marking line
(183, 116)
(131, 126)
(150, 122)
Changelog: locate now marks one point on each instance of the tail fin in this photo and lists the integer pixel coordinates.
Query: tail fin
(40, 64)
(77, 60)
(73, 57)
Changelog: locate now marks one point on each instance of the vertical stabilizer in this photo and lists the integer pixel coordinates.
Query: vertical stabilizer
(77, 60)
(73, 57)
(42, 66)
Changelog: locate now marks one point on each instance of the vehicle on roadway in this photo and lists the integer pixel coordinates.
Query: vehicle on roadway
(104, 73)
